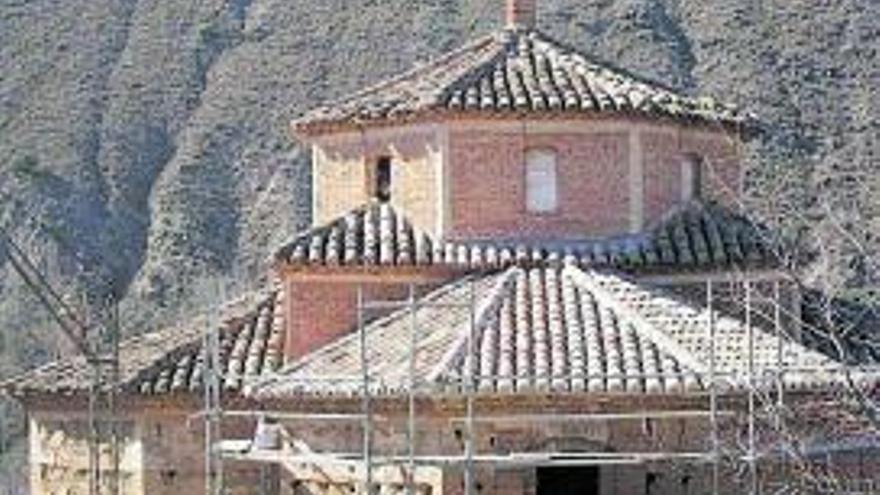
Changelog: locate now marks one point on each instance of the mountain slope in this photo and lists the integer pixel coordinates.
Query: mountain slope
(143, 143)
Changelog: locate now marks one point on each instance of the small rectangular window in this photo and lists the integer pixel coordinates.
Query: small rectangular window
(382, 180)
(541, 186)
(691, 177)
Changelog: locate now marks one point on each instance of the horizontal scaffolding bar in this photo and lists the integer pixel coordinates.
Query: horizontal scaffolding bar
(256, 413)
(296, 416)
(512, 459)
(483, 418)
(551, 417)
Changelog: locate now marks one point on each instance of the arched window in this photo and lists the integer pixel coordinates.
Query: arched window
(541, 182)
(691, 177)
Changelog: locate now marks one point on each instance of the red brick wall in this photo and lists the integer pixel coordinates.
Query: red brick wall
(664, 153)
(487, 185)
(484, 183)
(436, 435)
(520, 12)
(318, 309)
(662, 172)
(722, 175)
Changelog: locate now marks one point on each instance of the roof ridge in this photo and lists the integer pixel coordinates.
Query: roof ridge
(477, 70)
(546, 76)
(482, 313)
(347, 339)
(729, 331)
(415, 71)
(640, 324)
(229, 325)
(606, 69)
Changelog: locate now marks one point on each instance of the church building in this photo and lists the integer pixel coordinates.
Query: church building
(528, 271)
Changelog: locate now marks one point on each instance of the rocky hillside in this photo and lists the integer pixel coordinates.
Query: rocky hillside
(143, 143)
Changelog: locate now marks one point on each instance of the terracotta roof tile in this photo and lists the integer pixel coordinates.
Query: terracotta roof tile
(380, 235)
(537, 329)
(513, 71)
(172, 360)
(685, 325)
(552, 330)
(546, 331)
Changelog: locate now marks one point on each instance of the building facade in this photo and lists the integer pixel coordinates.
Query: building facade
(564, 242)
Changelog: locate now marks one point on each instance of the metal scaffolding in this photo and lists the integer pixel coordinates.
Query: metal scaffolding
(760, 401)
(94, 333)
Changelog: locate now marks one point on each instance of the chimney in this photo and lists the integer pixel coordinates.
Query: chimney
(521, 13)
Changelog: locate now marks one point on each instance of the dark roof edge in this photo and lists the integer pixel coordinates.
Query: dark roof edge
(746, 130)
(311, 123)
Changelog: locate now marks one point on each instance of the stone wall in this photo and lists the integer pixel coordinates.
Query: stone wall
(444, 435)
(163, 449)
(343, 172)
(161, 453)
(59, 455)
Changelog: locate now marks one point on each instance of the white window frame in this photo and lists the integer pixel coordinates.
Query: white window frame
(541, 181)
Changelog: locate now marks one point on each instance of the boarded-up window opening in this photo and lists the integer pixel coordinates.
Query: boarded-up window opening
(691, 177)
(541, 182)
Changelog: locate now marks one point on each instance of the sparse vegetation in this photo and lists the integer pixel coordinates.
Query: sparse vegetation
(122, 112)
(26, 168)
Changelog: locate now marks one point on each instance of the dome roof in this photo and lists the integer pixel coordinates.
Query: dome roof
(512, 72)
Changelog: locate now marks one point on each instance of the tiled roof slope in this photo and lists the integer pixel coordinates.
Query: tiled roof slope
(171, 360)
(336, 368)
(687, 326)
(379, 235)
(545, 331)
(514, 71)
(542, 329)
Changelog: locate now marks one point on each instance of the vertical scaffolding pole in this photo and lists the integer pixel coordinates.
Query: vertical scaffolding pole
(469, 395)
(102, 362)
(713, 386)
(780, 371)
(213, 462)
(365, 378)
(102, 413)
(94, 434)
(411, 424)
(112, 405)
(752, 461)
(97, 381)
(206, 397)
(780, 361)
